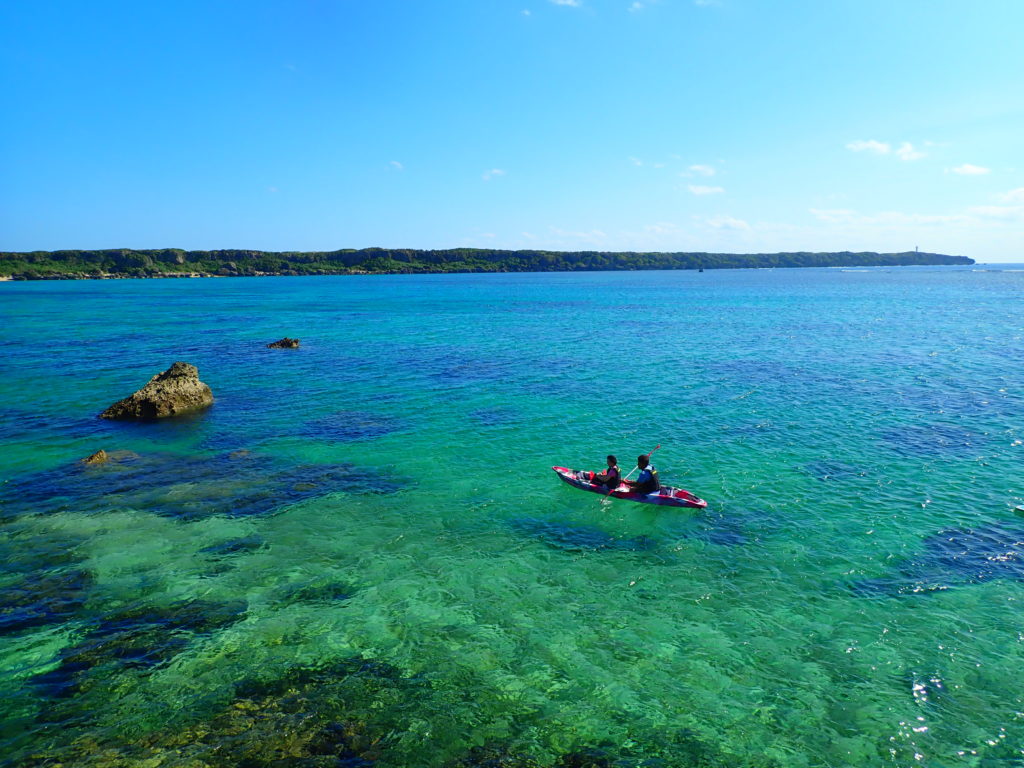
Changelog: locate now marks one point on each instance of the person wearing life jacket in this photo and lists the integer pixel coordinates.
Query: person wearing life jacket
(647, 481)
(611, 477)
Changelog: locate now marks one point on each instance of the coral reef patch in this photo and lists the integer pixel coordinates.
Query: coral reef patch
(237, 484)
(954, 557)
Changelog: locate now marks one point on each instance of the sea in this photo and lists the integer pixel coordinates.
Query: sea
(360, 555)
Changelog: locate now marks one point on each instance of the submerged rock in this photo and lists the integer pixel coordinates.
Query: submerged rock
(352, 426)
(495, 756)
(285, 343)
(187, 487)
(929, 440)
(579, 538)
(138, 637)
(953, 557)
(36, 600)
(236, 546)
(176, 391)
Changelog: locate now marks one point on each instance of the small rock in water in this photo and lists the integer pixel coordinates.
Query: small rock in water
(176, 391)
(285, 343)
(100, 457)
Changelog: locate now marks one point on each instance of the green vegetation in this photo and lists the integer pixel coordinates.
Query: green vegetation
(173, 262)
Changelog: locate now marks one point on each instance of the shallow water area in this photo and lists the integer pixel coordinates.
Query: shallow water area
(360, 555)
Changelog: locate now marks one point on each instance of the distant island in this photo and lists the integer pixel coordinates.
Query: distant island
(174, 262)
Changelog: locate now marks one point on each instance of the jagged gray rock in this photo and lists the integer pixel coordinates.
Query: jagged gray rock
(176, 391)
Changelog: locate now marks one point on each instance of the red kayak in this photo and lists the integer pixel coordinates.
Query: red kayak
(667, 496)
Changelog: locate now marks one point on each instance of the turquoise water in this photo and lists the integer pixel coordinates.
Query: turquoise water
(360, 556)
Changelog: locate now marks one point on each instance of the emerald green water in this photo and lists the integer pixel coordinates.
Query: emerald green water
(370, 523)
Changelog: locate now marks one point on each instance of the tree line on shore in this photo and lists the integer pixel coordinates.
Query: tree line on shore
(170, 262)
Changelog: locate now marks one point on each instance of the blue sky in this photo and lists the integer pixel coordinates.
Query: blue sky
(712, 125)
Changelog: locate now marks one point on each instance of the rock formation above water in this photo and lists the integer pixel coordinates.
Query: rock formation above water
(285, 343)
(100, 457)
(176, 391)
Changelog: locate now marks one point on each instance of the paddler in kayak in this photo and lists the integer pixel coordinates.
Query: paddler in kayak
(647, 481)
(611, 477)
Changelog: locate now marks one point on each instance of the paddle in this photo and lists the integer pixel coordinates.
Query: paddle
(634, 469)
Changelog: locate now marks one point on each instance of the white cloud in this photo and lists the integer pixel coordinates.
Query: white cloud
(999, 212)
(1013, 196)
(493, 173)
(271, 189)
(593, 236)
(703, 170)
(662, 228)
(637, 6)
(705, 3)
(885, 218)
(834, 215)
(728, 222)
(971, 170)
(397, 165)
(699, 190)
(641, 163)
(906, 152)
(570, 3)
(526, 12)
(878, 147)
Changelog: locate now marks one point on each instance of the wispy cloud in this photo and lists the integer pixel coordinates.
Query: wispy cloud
(396, 165)
(662, 228)
(638, 162)
(906, 152)
(636, 6)
(591, 236)
(728, 222)
(527, 12)
(870, 145)
(705, 3)
(493, 173)
(1013, 196)
(889, 218)
(697, 189)
(1011, 213)
(570, 3)
(971, 170)
(703, 170)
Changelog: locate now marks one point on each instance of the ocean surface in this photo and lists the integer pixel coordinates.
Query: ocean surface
(360, 555)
